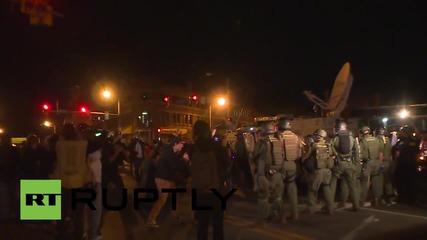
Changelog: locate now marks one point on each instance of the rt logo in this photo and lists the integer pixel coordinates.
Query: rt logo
(40, 200)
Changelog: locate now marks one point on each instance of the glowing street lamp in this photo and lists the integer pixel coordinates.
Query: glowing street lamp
(403, 114)
(1, 130)
(108, 95)
(221, 102)
(385, 120)
(47, 124)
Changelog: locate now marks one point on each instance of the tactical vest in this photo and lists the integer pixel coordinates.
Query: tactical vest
(387, 147)
(321, 154)
(291, 145)
(371, 148)
(277, 151)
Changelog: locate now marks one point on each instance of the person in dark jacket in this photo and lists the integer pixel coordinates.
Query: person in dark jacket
(170, 162)
(9, 157)
(209, 158)
(406, 175)
(33, 159)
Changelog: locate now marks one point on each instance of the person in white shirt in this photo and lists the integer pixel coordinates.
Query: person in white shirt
(95, 165)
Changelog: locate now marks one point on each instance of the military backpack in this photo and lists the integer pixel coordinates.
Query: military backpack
(322, 155)
(344, 144)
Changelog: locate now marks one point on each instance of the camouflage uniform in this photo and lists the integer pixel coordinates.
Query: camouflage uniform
(293, 153)
(345, 191)
(372, 149)
(319, 164)
(269, 179)
(386, 178)
(345, 166)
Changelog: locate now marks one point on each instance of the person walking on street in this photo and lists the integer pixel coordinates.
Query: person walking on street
(168, 166)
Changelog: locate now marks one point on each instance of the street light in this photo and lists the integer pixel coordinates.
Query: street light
(47, 124)
(1, 130)
(108, 95)
(221, 102)
(403, 114)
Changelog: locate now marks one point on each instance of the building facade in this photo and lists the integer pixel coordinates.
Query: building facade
(159, 112)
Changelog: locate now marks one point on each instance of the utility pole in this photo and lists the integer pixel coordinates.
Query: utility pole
(228, 96)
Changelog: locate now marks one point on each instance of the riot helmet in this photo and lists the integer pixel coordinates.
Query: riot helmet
(340, 125)
(320, 134)
(381, 131)
(366, 130)
(284, 124)
(267, 128)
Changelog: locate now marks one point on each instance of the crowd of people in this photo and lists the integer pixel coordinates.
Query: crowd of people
(95, 158)
(385, 163)
(271, 168)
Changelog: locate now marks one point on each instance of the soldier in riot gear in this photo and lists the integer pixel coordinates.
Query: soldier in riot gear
(319, 164)
(386, 174)
(292, 150)
(372, 152)
(345, 192)
(345, 150)
(269, 174)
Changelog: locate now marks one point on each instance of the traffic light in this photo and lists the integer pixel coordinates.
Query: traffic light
(45, 107)
(229, 119)
(84, 109)
(166, 99)
(159, 130)
(194, 97)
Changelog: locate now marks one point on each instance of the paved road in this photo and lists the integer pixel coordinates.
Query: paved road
(394, 222)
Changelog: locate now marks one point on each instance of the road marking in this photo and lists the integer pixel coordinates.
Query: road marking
(352, 234)
(396, 213)
(268, 230)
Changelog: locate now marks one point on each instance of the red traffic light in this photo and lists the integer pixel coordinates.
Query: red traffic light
(45, 107)
(84, 110)
(194, 97)
(166, 99)
(158, 130)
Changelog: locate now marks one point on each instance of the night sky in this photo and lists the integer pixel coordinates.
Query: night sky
(266, 48)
